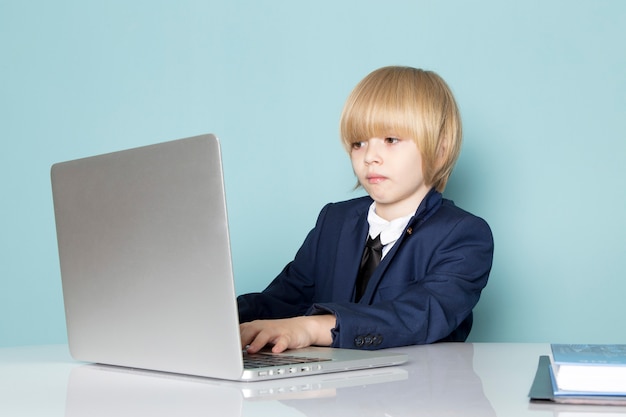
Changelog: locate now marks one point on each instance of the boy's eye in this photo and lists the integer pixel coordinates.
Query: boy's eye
(391, 140)
(357, 145)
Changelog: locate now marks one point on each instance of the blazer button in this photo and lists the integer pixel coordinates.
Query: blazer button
(359, 341)
(368, 340)
(377, 340)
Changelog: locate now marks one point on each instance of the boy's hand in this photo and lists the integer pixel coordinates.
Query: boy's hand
(291, 333)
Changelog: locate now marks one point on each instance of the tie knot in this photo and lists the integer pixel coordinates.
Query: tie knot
(375, 243)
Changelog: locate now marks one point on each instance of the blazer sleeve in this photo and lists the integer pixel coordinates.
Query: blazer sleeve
(427, 292)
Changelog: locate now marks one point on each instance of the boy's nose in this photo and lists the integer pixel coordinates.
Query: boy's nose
(372, 154)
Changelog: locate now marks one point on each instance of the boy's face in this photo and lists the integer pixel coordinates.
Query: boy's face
(390, 170)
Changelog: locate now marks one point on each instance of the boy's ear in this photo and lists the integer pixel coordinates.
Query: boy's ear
(444, 142)
(441, 150)
(442, 147)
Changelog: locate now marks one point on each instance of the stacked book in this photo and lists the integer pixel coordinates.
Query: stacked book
(582, 374)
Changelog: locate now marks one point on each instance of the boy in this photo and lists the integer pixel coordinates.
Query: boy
(402, 130)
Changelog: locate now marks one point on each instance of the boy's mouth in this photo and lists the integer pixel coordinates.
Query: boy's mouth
(375, 179)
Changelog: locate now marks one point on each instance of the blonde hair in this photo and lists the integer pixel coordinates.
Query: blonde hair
(413, 104)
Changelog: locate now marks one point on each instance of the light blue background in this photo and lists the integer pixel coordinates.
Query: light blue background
(541, 85)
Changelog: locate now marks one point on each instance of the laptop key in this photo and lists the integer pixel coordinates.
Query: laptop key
(261, 360)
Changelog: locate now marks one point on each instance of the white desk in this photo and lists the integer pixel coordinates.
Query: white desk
(460, 379)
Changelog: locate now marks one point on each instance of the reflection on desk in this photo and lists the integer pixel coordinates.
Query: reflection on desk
(456, 379)
(440, 381)
(95, 390)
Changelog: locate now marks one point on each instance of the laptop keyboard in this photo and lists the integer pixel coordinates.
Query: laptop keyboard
(262, 360)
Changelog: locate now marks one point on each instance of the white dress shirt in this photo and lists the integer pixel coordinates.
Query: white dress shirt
(390, 231)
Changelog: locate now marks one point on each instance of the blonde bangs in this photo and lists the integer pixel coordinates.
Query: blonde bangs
(375, 109)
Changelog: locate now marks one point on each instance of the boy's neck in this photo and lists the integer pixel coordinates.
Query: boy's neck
(390, 212)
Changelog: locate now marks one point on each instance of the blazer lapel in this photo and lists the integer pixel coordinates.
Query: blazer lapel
(352, 238)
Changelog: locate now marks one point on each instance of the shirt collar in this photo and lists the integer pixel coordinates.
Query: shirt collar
(389, 231)
(392, 230)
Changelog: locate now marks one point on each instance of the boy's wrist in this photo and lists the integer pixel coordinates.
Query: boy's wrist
(322, 326)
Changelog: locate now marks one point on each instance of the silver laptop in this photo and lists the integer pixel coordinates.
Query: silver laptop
(146, 267)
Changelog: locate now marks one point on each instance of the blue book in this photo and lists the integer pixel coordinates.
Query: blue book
(589, 368)
(543, 389)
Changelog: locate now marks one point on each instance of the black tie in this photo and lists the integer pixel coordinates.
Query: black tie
(372, 255)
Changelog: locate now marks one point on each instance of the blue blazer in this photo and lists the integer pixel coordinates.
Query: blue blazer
(423, 291)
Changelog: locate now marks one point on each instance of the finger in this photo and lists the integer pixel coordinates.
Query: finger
(250, 339)
(280, 345)
(246, 334)
(260, 340)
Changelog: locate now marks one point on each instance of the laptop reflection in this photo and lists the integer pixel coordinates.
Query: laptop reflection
(102, 390)
(438, 381)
